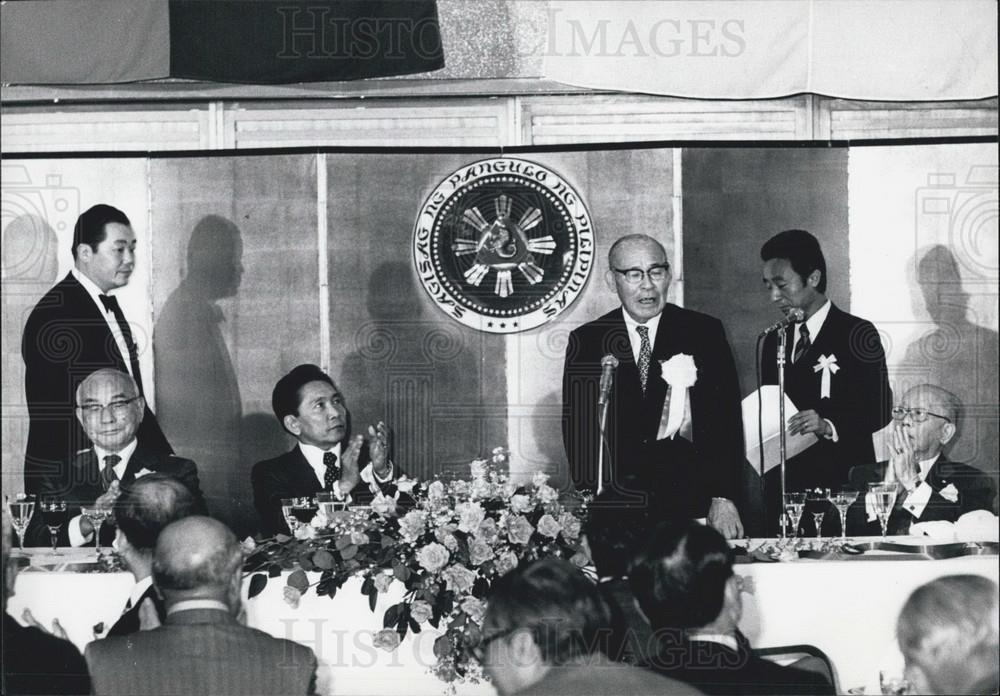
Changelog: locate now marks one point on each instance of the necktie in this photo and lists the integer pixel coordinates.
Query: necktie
(332, 470)
(111, 305)
(803, 345)
(645, 353)
(108, 473)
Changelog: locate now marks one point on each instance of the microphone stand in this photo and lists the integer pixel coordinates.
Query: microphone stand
(602, 421)
(782, 455)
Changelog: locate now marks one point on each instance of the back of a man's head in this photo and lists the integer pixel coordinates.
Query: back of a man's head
(679, 577)
(948, 634)
(149, 504)
(562, 607)
(198, 557)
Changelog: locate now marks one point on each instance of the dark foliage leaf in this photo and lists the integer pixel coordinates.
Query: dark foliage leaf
(323, 559)
(298, 580)
(257, 584)
(392, 614)
(442, 647)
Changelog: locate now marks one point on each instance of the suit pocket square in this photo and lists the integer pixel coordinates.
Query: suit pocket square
(949, 493)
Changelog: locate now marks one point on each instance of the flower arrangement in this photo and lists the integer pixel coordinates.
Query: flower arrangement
(444, 541)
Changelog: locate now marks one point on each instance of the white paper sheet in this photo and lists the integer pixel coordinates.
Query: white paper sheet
(769, 411)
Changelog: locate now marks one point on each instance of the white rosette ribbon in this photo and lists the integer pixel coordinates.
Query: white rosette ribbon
(828, 365)
(680, 373)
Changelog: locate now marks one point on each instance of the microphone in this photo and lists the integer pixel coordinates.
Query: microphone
(608, 365)
(794, 314)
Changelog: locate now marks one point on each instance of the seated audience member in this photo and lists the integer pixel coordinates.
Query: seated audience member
(110, 410)
(201, 648)
(615, 533)
(684, 582)
(34, 661)
(143, 509)
(310, 408)
(931, 486)
(543, 631)
(947, 632)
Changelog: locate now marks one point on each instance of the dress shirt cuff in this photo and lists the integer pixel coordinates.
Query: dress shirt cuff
(368, 474)
(833, 431)
(76, 537)
(916, 501)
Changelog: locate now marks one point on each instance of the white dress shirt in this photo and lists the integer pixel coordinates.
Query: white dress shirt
(633, 335)
(314, 457)
(76, 537)
(109, 317)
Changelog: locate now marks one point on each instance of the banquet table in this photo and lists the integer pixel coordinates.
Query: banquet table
(847, 608)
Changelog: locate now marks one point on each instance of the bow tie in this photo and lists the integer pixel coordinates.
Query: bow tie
(110, 303)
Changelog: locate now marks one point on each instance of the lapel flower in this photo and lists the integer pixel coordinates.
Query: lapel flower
(679, 371)
(950, 493)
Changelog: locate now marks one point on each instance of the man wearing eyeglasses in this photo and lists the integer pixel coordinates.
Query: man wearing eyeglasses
(78, 327)
(930, 487)
(110, 410)
(674, 439)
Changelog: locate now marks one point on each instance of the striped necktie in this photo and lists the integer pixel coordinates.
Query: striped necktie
(645, 355)
(803, 345)
(108, 474)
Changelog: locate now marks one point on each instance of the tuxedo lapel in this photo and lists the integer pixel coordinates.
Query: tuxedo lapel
(299, 468)
(90, 315)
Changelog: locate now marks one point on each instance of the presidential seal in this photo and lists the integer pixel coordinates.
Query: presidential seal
(503, 245)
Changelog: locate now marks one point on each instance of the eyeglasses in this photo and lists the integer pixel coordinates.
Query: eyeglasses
(919, 415)
(479, 652)
(117, 408)
(634, 276)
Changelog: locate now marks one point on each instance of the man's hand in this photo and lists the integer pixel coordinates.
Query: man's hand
(57, 630)
(902, 463)
(105, 502)
(378, 449)
(809, 421)
(350, 475)
(725, 518)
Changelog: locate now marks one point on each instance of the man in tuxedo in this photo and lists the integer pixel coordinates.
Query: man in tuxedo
(76, 328)
(144, 508)
(684, 582)
(310, 408)
(201, 648)
(110, 410)
(35, 661)
(835, 373)
(546, 631)
(930, 486)
(673, 436)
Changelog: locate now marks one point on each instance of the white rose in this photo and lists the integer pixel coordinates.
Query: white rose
(679, 371)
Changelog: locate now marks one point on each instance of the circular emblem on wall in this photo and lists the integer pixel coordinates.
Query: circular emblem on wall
(503, 245)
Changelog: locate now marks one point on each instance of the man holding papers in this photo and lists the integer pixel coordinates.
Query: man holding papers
(835, 371)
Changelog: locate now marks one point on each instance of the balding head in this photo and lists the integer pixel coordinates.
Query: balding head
(147, 505)
(109, 408)
(198, 558)
(936, 399)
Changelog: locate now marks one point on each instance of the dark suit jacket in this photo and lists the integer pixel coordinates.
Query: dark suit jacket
(66, 337)
(975, 492)
(200, 651)
(128, 622)
(82, 486)
(716, 669)
(596, 675)
(686, 474)
(859, 405)
(290, 476)
(35, 662)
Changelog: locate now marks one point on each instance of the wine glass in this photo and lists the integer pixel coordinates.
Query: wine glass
(843, 499)
(330, 506)
(287, 504)
(97, 516)
(884, 495)
(21, 509)
(54, 515)
(795, 503)
(817, 503)
(304, 509)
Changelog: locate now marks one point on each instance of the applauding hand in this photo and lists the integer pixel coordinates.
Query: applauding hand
(378, 448)
(349, 472)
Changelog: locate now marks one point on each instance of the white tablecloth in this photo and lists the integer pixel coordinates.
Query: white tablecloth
(846, 608)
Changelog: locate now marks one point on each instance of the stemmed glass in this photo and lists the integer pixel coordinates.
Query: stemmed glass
(795, 503)
(304, 509)
(97, 515)
(843, 499)
(287, 504)
(884, 495)
(817, 502)
(54, 514)
(21, 509)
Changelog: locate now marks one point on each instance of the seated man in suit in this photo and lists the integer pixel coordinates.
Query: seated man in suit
(684, 582)
(931, 487)
(35, 661)
(545, 628)
(143, 509)
(110, 409)
(201, 648)
(947, 632)
(310, 408)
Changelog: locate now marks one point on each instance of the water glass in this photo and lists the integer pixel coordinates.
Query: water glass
(21, 509)
(54, 514)
(884, 495)
(842, 500)
(795, 503)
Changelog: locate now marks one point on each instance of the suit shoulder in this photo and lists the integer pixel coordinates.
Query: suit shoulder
(601, 324)
(274, 464)
(692, 318)
(281, 645)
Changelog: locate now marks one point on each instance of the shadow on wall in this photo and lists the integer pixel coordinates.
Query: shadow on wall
(197, 392)
(414, 372)
(955, 353)
(30, 267)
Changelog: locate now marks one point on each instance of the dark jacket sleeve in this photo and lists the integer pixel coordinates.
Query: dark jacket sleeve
(723, 452)
(269, 487)
(580, 429)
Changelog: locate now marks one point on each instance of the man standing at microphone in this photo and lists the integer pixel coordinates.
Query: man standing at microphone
(835, 373)
(673, 434)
